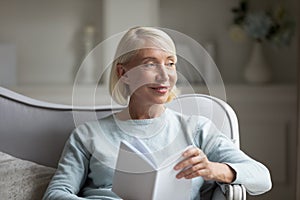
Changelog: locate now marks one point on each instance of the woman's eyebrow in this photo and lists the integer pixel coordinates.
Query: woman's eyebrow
(171, 57)
(154, 58)
(149, 58)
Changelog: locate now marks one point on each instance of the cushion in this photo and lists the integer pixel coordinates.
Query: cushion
(21, 179)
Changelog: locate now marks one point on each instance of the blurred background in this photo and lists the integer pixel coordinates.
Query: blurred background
(256, 49)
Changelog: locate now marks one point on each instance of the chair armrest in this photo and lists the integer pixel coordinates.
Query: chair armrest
(230, 192)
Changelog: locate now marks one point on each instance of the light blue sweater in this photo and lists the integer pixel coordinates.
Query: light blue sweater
(86, 167)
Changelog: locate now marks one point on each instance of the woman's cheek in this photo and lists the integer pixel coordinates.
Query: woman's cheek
(139, 80)
(173, 77)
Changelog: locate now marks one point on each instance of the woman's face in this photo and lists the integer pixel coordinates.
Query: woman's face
(150, 75)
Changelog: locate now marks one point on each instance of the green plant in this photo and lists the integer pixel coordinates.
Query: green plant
(272, 25)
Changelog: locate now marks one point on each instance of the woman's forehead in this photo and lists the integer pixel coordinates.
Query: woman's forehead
(154, 53)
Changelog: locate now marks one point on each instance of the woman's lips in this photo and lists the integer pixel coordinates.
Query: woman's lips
(161, 89)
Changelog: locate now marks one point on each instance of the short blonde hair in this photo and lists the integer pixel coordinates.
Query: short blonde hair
(135, 39)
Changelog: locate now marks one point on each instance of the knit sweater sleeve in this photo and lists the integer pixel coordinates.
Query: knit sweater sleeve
(71, 172)
(218, 148)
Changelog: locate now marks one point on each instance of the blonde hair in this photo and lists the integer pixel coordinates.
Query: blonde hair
(135, 39)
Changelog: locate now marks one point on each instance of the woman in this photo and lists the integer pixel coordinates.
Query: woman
(143, 76)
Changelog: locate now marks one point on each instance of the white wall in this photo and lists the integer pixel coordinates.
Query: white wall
(122, 15)
(209, 20)
(47, 35)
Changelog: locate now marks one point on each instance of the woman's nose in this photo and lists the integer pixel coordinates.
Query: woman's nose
(162, 74)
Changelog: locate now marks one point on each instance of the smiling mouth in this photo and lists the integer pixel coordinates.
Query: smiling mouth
(161, 90)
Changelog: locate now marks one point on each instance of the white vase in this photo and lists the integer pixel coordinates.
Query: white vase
(257, 70)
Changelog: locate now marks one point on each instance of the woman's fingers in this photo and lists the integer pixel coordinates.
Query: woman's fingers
(203, 172)
(188, 162)
(194, 151)
(193, 156)
(195, 170)
(195, 164)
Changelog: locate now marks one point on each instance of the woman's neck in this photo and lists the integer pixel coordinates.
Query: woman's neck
(141, 111)
(145, 111)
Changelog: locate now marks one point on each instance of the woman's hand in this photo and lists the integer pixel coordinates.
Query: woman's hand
(196, 164)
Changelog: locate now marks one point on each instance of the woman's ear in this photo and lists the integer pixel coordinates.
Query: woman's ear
(121, 72)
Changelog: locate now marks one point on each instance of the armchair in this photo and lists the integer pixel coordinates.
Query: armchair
(226, 121)
(36, 131)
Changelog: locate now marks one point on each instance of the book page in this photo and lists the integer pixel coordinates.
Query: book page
(132, 161)
(143, 148)
(173, 159)
(136, 176)
(134, 186)
(167, 186)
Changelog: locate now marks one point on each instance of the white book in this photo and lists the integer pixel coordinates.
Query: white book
(137, 177)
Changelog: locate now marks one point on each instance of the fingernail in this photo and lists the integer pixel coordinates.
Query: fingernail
(178, 176)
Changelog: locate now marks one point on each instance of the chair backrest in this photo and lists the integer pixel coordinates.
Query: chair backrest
(37, 131)
(217, 110)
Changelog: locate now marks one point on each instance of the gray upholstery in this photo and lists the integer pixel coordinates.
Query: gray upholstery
(37, 131)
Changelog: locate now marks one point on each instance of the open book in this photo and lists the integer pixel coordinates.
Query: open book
(137, 177)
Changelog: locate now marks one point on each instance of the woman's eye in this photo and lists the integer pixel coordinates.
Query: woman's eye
(171, 64)
(150, 65)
